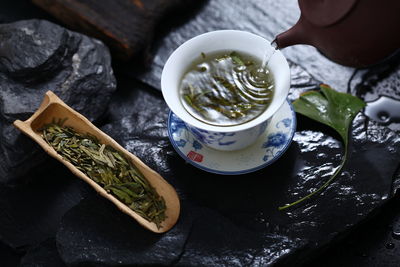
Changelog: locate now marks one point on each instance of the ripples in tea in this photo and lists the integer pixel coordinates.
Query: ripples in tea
(226, 88)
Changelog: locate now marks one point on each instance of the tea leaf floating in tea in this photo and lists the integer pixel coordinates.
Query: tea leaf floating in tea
(226, 88)
(108, 168)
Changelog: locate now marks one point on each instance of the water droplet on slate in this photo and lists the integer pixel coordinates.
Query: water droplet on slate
(346, 174)
(260, 218)
(99, 69)
(383, 116)
(396, 234)
(385, 110)
(390, 246)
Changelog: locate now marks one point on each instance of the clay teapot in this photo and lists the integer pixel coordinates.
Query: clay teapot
(355, 33)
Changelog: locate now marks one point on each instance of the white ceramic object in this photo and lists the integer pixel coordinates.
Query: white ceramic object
(267, 149)
(226, 138)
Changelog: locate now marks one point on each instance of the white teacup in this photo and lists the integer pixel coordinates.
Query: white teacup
(224, 137)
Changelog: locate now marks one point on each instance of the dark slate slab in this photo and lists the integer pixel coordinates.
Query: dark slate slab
(31, 212)
(9, 256)
(380, 80)
(36, 56)
(202, 236)
(216, 240)
(265, 18)
(246, 217)
(233, 220)
(95, 233)
(374, 243)
(44, 255)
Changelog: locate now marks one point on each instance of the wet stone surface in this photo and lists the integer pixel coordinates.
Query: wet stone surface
(222, 224)
(367, 244)
(225, 220)
(44, 254)
(31, 212)
(379, 83)
(88, 235)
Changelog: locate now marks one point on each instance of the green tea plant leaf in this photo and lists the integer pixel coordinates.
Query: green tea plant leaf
(332, 108)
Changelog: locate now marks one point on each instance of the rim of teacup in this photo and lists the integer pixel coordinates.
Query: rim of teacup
(228, 40)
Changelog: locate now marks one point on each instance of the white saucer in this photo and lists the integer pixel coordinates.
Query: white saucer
(266, 150)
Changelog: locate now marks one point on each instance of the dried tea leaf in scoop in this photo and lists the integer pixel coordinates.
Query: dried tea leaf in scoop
(108, 168)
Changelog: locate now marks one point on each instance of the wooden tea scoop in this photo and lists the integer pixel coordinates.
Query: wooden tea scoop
(54, 108)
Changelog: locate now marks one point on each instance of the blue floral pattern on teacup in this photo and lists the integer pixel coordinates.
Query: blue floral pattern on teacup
(197, 145)
(209, 138)
(274, 142)
(285, 122)
(277, 140)
(177, 125)
(264, 126)
(181, 143)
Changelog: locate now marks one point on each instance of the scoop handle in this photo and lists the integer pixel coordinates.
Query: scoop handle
(49, 98)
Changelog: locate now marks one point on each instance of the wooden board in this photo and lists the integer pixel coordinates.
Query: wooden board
(126, 26)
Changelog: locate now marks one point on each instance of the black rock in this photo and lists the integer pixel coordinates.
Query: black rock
(31, 212)
(366, 244)
(96, 233)
(216, 240)
(226, 220)
(36, 56)
(44, 255)
(234, 220)
(8, 256)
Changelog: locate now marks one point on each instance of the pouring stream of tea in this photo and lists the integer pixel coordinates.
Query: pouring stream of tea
(268, 55)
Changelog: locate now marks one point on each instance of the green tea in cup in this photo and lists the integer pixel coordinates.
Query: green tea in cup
(226, 88)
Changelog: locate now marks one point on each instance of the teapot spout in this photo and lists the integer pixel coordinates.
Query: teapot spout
(293, 36)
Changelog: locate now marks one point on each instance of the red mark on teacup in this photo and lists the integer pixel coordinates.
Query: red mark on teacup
(195, 156)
